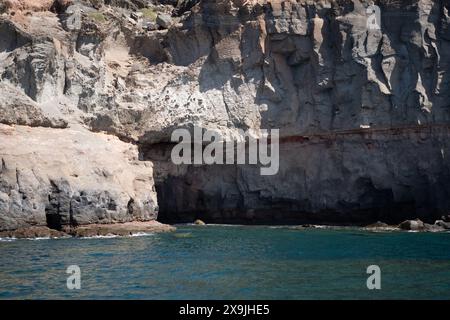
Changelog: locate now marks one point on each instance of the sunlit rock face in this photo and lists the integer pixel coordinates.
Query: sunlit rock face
(362, 111)
(71, 177)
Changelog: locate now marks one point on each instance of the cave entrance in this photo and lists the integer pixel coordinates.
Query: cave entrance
(178, 204)
(53, 221)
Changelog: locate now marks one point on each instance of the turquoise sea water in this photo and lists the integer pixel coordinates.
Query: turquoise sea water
(231, 262)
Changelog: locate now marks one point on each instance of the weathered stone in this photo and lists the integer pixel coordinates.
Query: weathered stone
(199, 222)
(380, 226)
(151, 26)
(433, 228)
(164, 20)
(120, 229)
(443, 224)
(136, 15)
(412, 225)
(70, 177)
(32, 232)
(17, 108)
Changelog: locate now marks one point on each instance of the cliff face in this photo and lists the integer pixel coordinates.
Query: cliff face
(60, 177)
(363, 112)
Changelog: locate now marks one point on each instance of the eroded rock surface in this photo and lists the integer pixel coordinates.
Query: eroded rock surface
(70, 177)
(363, 113)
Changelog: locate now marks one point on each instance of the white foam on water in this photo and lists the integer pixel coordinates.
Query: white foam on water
(220, 225)
(34, 239)
(39, 238)
(318, 226)
(142, 234)
(101, 237)
(112, 236)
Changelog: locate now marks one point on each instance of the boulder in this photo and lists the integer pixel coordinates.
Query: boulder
(443, 224)
(3, 7)
(433, 227)
(136, 15)
(164, 20)
(151, 26)
(412, 225)
(199, 222)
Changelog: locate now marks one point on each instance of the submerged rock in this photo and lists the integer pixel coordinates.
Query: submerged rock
(183, 235)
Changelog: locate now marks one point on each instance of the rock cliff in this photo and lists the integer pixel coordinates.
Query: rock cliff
(92, 90)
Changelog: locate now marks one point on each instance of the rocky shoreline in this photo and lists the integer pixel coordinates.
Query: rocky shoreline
(415, 225)
(135, 228)
(92, 230)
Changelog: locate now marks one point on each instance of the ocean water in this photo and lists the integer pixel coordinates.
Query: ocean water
(230, 262)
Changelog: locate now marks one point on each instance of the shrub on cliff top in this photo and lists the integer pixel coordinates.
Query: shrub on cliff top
(97, 17)
(149, 13)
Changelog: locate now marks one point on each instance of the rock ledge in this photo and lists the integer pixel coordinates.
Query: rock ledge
(93, 230)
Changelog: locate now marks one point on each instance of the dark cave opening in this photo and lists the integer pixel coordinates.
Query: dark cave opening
(53, 221)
